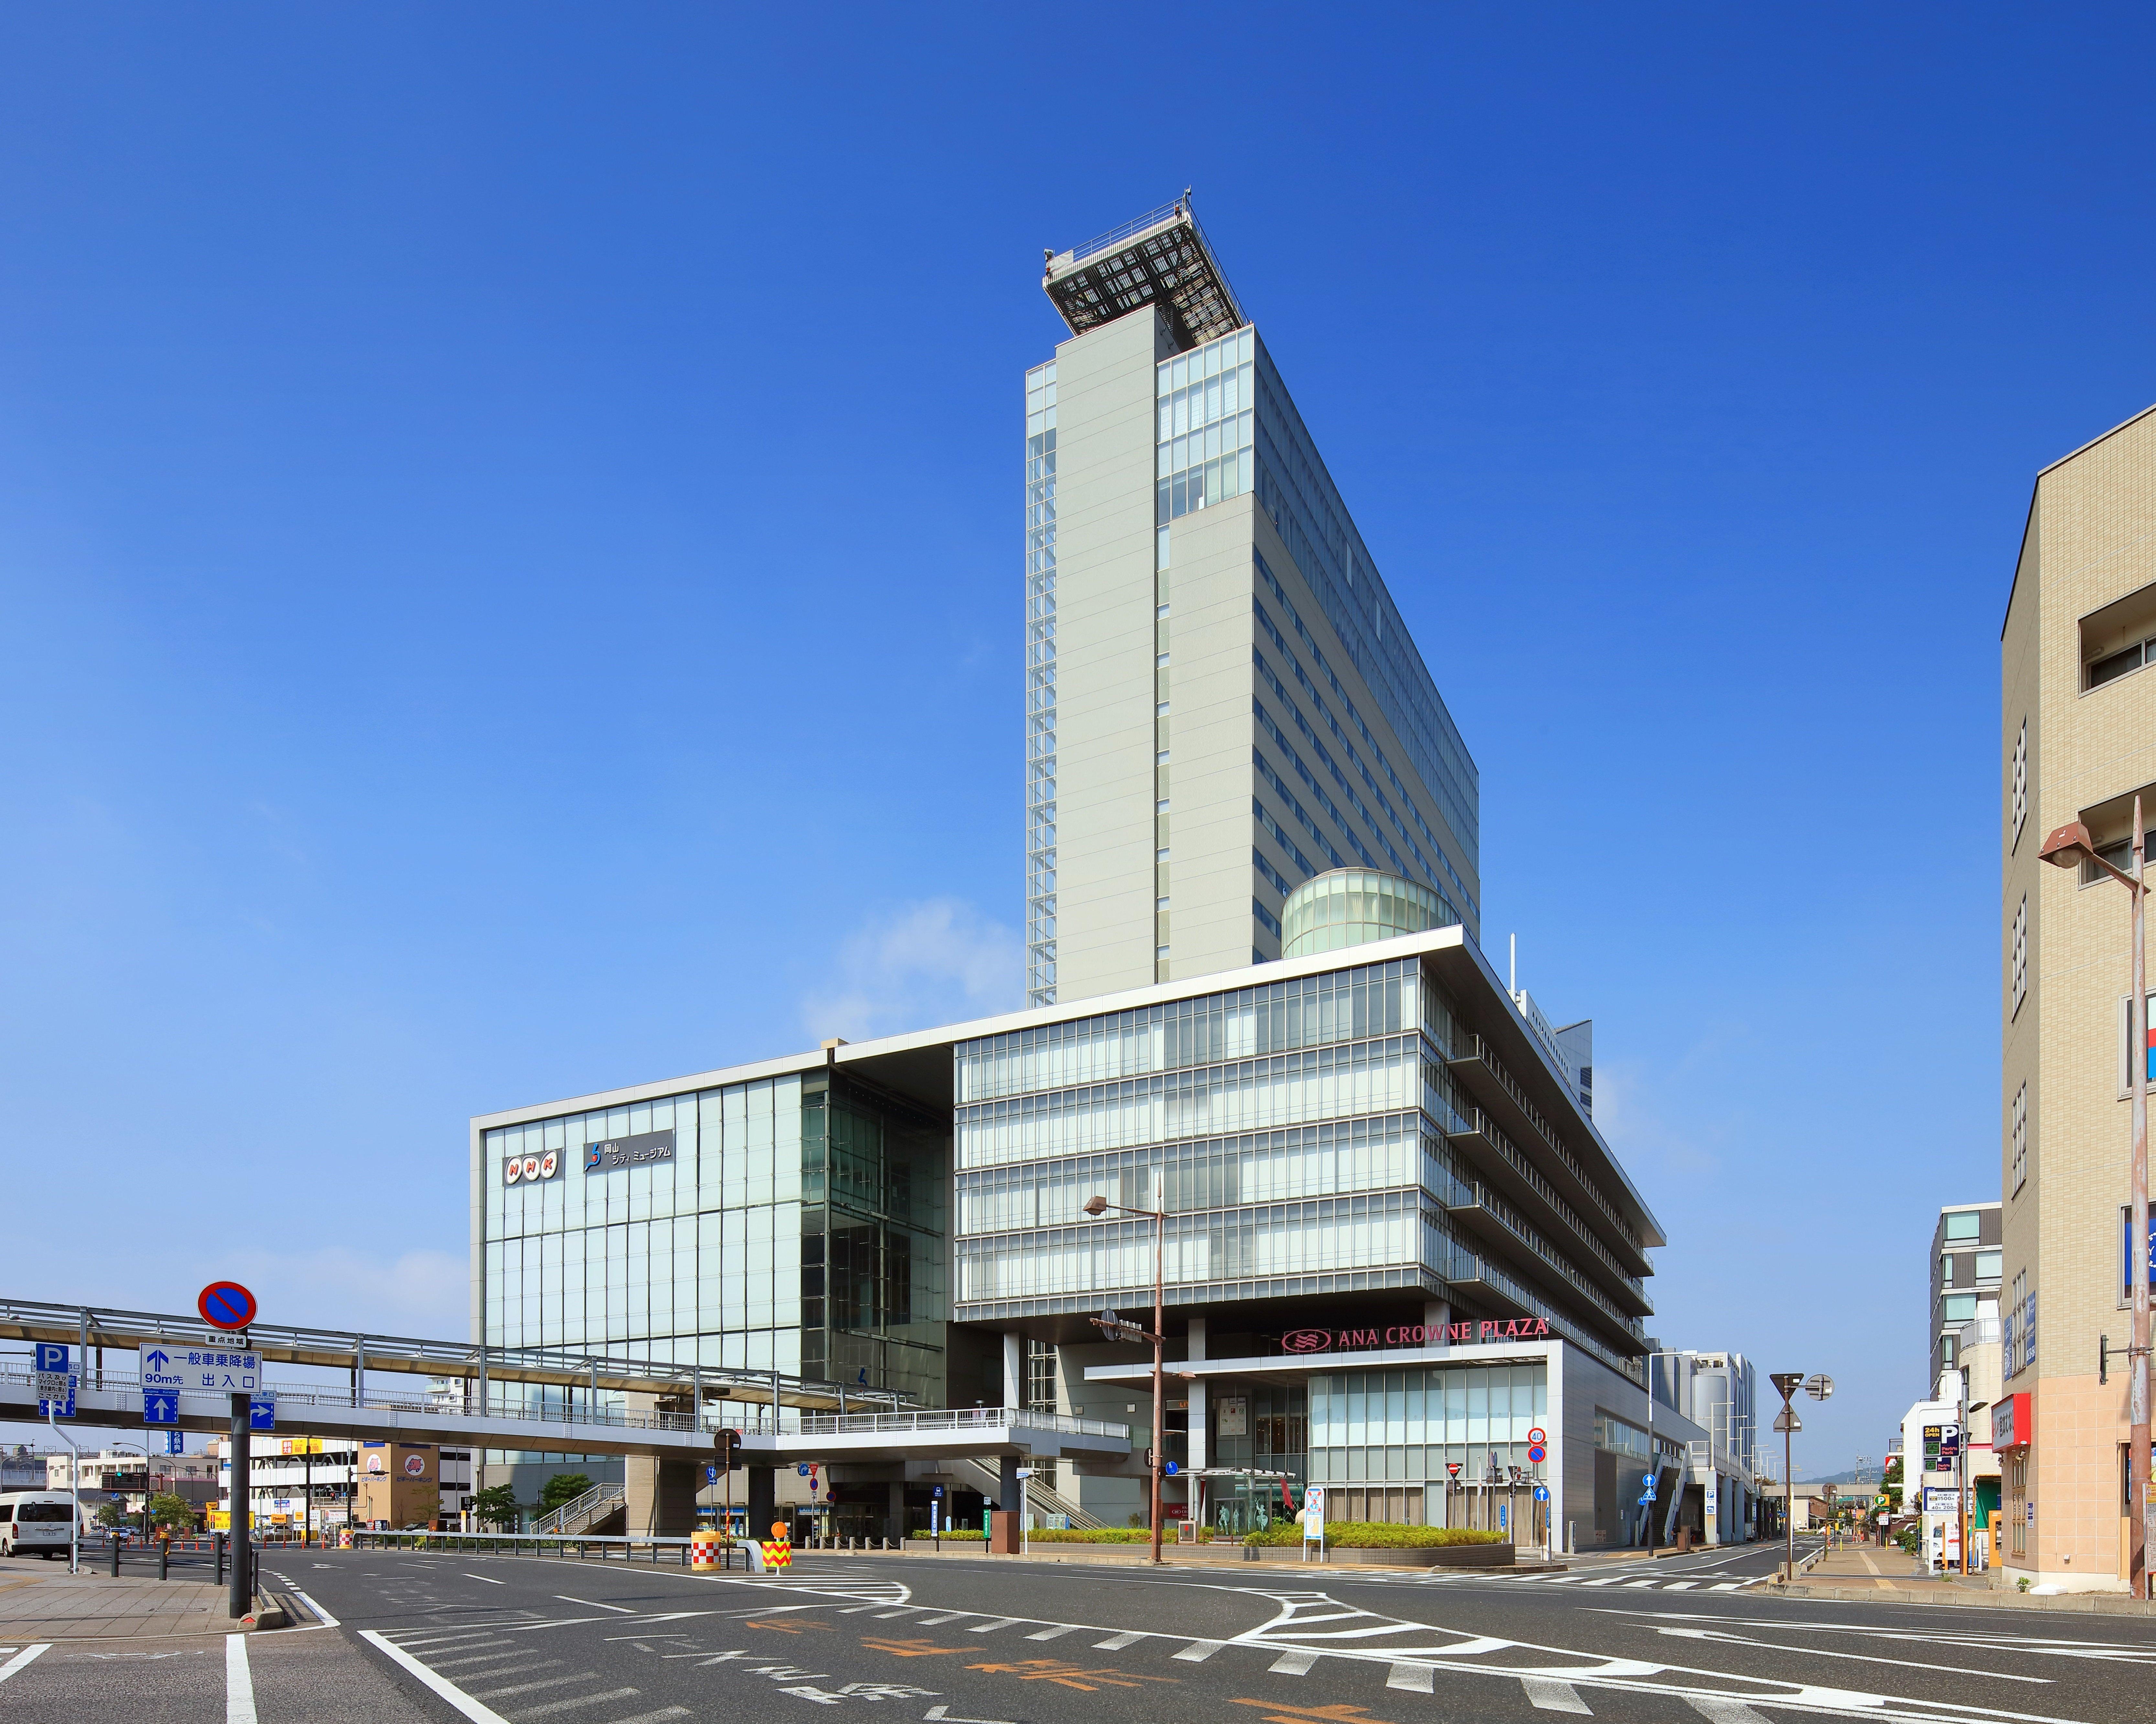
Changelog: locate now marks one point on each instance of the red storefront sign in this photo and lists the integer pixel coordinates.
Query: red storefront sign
(2012, 1424)
(1477, 1333)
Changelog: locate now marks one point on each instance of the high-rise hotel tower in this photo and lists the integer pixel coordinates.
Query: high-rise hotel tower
(1221, 699)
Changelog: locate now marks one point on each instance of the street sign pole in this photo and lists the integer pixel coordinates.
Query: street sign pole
(241, 1597)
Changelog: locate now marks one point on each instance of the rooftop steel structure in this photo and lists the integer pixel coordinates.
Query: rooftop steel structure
(1161, 259)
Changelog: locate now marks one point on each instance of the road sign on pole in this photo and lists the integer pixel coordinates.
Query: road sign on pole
(226, 1305)
(55, 1394)
(161, 1406)
(262, 1411)
(51, 1356)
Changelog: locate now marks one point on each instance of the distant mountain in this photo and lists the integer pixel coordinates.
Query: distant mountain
(1844, 1480)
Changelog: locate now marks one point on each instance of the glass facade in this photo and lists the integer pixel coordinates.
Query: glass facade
(1389, 1427)
(1299, 497)
(791, 1229)
(1040, 685)
(1296, 1133)
(1352, 907)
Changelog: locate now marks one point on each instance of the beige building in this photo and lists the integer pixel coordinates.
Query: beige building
(2078, 724)
(1222, 699)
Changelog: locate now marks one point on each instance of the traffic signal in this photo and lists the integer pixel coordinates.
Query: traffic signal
(729, 1449)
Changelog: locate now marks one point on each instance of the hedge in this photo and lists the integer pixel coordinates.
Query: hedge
(971, 1532)
(1375, 1535)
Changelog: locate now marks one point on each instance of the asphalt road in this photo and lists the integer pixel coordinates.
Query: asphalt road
(972, 1640)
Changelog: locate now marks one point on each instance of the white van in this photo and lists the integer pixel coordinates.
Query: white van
(38, 1520)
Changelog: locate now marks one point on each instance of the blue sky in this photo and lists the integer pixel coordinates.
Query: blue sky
(509, 567)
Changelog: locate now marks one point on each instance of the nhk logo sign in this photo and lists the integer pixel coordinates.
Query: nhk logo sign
(524, 1169)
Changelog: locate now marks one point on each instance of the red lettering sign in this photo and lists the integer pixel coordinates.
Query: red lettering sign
(1482, 1332)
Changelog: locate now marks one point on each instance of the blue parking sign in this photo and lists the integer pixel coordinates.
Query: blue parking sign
(51, 1356)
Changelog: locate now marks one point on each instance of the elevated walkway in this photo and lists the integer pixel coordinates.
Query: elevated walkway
(935, 1434)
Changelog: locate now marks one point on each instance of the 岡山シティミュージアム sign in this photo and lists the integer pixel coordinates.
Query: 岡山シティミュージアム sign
(644, 1147)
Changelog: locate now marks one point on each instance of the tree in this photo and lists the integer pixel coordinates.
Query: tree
(110, 1514)
(563, 1487)
(496, 1506)
(174, 1514)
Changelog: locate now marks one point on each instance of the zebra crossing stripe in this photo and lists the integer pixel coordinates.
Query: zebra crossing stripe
(1413, 1678)
(1116, 1643)
(1547, 1694)
(1198, 1651)
(1293, 1664)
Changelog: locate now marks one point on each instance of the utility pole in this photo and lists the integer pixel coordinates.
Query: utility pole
(1117, 1329)
(240, 1597)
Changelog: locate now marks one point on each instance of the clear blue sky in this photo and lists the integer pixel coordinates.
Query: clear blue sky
(509, 567)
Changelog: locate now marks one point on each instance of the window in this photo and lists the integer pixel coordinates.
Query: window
(1988, 1265)
(1962, 1223)
(2117, 664)
(2021, 784)
(2118, 639)
(1949, 1351)
(2021, 1137)
(2119, 853)
(2020, 955)
(1946, 1269)
(1961, 1307)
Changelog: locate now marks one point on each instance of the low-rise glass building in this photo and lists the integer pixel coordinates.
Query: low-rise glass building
(1397, 1258)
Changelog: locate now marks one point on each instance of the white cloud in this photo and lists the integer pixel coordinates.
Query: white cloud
(922, 964)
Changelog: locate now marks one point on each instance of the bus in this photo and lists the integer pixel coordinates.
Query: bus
(39, 1521)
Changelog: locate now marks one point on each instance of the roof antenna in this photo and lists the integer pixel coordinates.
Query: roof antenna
(1513, 968)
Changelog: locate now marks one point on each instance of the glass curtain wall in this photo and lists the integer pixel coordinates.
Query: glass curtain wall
(874, 1242)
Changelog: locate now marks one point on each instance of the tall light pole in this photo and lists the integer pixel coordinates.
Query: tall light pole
(1819, 1386)
(1110, 1325)
(2069, 847)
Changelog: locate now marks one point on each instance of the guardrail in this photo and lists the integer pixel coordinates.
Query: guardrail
(584, 1545)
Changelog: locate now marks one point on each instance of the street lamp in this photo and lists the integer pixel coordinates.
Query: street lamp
(2069, 847)
(1115, 1328)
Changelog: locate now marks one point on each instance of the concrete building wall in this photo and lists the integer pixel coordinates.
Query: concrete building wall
(2091, 542)
(1104, 654)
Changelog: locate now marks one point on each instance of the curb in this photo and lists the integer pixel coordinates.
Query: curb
(2082, 1603)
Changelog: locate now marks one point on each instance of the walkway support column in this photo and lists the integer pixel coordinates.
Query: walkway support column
(1010, 1489)
(762, 1500)
(1014, 1371)
(899, 1529)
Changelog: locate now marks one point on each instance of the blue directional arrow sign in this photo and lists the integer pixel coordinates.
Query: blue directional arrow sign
(711, 1476)
(1171, 1468)
(1542, 1493)
(262, 1412)
(160, 1407)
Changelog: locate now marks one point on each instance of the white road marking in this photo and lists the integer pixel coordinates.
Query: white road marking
(1115, 1642)
(1293, 1664)
(1717, 1638)
(321, 1616)
(534, 1687)
(594, 1604)
(239, 1682)
(1413, 1678)
(1056, 1633)
(930, 1622)
(451, 1663)
(488, 1578)
(1198, 1651)
(22, 1658)
(477, 1710)
(583, 1700)
(1719, 1710)
(1680, 1586)
(1546, 1694)
(994, 1623)
(654, 1717)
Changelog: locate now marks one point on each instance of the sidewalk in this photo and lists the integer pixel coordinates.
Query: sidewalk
(61, 1606)
(1871, 1574)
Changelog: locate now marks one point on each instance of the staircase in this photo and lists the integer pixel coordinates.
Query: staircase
(584, 1514)
(1038, 1497)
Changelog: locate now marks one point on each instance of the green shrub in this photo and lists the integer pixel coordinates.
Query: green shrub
(971, 1532)
(1099, 1535)
(1375, 1535)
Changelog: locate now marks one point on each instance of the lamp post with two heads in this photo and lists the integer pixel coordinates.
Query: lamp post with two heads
(2071, 847)
(1117, 1330)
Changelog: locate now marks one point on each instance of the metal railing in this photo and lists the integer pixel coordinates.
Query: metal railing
(963, 1419)
(95, 1326)
(1115, 236)
(599, 1500)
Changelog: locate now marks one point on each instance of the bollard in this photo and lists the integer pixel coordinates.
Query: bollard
(115, 1556)
(220, 1559)
(164, 1559)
